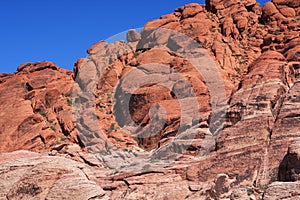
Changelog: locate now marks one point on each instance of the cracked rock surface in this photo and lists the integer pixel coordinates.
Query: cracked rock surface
(137, 120)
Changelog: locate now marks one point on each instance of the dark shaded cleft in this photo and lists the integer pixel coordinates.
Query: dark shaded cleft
(28, 87)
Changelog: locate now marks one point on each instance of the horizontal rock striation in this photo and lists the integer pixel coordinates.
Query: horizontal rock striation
(202, 104)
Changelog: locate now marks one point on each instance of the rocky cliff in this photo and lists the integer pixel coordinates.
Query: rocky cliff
(202, 104)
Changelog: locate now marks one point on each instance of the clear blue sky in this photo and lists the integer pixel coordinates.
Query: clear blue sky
(62, 30)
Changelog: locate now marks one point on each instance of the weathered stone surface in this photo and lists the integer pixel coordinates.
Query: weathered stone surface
(269, 9)
(290, 3)
(243, 193)
(282, 190)
(41, 111)
(289, 169)
(135, 107)
(27, 175)
(191, 10)
(133, 36)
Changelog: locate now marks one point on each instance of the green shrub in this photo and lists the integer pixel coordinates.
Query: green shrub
(102, 152)
(277, 32)
(250, 191)
(109, 95)
(43, 113)
(111, 128)
(136, 54)
(70, 102)
(53, 128)
(127, 150)
(68, 95)
(118, 139)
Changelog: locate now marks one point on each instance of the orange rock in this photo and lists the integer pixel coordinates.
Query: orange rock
(99, 45)
(191, 10)
(133, 36)
(249, 2)
(269, 9)
(290, 3)
(287, 12)
(39, 91)
(156, 118)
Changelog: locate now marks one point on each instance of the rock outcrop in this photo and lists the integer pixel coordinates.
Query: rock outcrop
(36, 110)
(282, 190)
(202, 104)
(28, 175)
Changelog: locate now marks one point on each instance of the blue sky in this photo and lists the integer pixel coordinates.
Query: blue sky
(62, 30)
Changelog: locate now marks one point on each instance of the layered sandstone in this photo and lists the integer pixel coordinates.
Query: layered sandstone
(203, 104)
(36, 110)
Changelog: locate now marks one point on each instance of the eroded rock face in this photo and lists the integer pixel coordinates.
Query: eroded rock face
(282, 190)
(36, 108)
(133, 99)
(43, 177)
(289, 169)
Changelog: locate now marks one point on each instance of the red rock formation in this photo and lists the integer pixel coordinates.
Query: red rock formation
(230, 128)
(36, 108)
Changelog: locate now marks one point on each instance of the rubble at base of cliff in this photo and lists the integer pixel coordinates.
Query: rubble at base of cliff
(86, 134)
